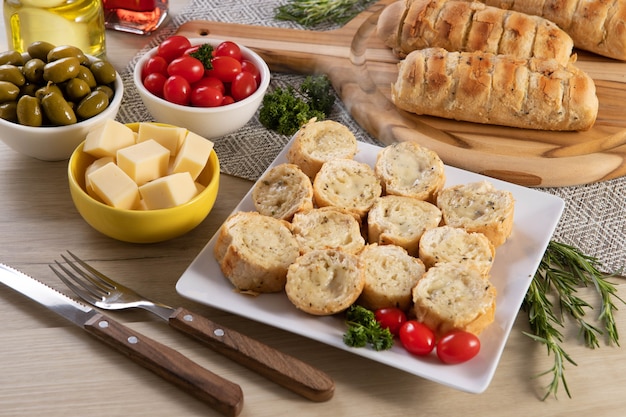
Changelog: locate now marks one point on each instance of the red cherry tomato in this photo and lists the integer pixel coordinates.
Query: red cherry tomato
(173, 47)
(248, 66)
(228, 48)
(417, 338)
(390, 318)
(153, 65)
(457, 347)
(211, 82)
(188, 67)
(225, 68)
(154, 83)
(227, 100)
(242, 86)
(177, 90)
(204, 96)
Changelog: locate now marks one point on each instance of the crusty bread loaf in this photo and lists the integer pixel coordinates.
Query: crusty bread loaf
(401, 221)
(319, 141)
(324, 282)
(254, 251)
(478, 207)
(455, 245)
(282, 191)
(595, 25)
(327, 228)
(346, 184)
(453, 297)
(390, 275)
(408, 169)
(458, 25)
(496, 89)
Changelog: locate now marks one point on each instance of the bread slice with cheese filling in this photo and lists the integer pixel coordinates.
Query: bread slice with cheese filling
(282, 191)
(327, 228)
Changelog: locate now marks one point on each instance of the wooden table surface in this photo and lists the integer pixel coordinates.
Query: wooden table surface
(49, 367)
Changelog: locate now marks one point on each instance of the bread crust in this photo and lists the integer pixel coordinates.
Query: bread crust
(479, 207)
(452, 297)
(390, 275)
(319, 141)
(282, 191)
(502, 90)
(401, 221)
(324, 282)
(254, 251)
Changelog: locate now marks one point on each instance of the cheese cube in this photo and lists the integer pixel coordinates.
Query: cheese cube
(193, 155)
(106, 140)
(168, 191)
(94, 166)
(114, 187)
(168, 136)
(144, 161)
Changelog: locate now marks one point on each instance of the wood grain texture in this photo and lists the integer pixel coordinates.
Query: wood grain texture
(362, 69)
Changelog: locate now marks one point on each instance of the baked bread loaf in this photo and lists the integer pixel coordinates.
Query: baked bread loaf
(346, 184)
(478, 207)
(503, 90)
(454, 297)
(458, 25)
(254, 251)
(390, 275)
(319, 141)
(327, 228)
(594, 25)
(408, 169)
(324, 282)
(282, 191)
(455, 245)
(401, 221)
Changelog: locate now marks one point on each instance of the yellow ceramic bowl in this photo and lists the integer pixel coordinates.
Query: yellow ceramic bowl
(142, 226)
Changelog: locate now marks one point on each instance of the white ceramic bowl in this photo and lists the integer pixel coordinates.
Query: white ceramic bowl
(209, 122)
(57, 143)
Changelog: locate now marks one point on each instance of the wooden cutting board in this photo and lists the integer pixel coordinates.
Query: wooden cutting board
(362, 69)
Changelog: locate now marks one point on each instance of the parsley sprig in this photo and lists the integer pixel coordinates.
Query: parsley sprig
(313, 12)
(561, 271)
(364, 329)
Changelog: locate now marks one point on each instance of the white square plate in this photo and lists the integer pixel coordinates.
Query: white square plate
(536, 216)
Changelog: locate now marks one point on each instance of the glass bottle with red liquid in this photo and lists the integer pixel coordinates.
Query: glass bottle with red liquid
(135, 16)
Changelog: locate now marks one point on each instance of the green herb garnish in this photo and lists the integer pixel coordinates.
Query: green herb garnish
(313, 12)
(562, 270)
(204, 54)
(364, 329)
(285, 110)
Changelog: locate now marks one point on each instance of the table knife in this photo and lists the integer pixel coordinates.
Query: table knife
(221, 394)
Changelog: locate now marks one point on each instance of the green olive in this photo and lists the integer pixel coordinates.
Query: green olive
(29, 89)
(86, 75)
(8, 91)
(76, 89)
(103, 71)
(11, 57)
(66, 51)
(93, 104)
(29, 111)
(47, 89)
(8, 111)
(61, 70)
(12, 74)
(107, 90)
(57, 109)
(40, 50)
(33, 70)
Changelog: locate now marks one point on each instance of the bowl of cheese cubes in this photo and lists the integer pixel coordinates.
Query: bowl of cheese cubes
(143, 182)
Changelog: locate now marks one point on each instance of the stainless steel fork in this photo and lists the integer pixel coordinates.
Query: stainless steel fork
(101, 291)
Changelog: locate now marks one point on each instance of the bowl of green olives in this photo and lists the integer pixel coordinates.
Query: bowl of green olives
(52, 96)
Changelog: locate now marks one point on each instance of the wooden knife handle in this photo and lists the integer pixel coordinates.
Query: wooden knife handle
(279, 367)
(221, 394)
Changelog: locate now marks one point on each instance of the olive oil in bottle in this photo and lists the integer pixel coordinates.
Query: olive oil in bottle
(60, 22)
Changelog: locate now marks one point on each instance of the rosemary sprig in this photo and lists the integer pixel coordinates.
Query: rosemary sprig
(313, 12)
(561, 272)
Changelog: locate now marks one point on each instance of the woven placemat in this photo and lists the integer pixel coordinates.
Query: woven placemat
(594, 219)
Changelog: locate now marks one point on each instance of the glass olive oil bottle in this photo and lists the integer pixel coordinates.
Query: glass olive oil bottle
(60, 22)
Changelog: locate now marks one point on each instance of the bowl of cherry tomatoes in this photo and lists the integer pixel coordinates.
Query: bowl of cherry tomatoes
(212, 87)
